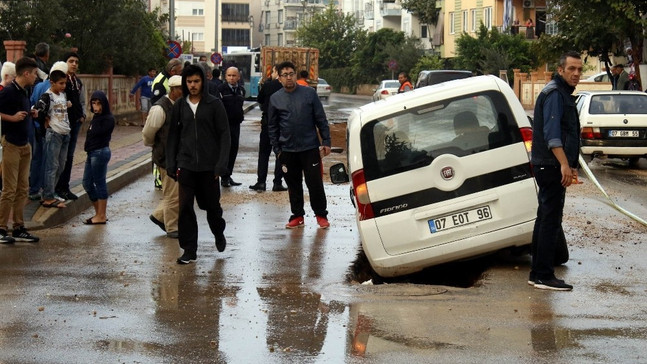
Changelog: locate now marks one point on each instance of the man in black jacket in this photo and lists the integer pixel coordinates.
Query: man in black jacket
(232, 97)
(295, 116)
(197, 151)
(270, 86)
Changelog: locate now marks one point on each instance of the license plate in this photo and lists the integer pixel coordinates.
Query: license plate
(623, 133)
(460, 219)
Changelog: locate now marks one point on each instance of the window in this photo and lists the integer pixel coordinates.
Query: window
(267, 19)
(424, 32)
(551, 25)
(280, 16)
(412, 138)
(235, 12)
(465, 21)
(267, 40)
(235, 37)
(474, 23)
(452, 23)
(487, 17)
(280, 41)
(197, 36)
(198, 12)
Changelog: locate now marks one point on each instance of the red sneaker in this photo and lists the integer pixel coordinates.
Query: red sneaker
(323, 222)
(295, 223)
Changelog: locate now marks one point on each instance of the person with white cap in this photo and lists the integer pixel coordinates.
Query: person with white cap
(155, 134)
(52, 111)
(37, 167)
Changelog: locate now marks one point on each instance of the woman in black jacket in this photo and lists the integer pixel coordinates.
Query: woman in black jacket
(97, 146)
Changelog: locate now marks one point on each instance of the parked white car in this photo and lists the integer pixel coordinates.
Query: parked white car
(441, 173)
(598, 77)
(387, 88)
(613, 124)
(323, 89)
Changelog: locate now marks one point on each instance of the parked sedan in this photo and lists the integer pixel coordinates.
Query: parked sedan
(386, 89)
(613, 124)
(323, 89)
(598, 77)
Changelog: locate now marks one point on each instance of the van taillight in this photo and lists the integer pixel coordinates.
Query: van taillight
(591, 133)
(361, 196)
(526, 135)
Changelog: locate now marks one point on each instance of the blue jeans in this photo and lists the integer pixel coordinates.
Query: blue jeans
(94, 175)
(549, 220)
(55, 156)
(37, 170)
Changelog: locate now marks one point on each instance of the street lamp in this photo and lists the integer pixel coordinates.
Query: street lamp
(251, 31)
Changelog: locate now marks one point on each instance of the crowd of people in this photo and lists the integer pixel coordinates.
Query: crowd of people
(42, 111)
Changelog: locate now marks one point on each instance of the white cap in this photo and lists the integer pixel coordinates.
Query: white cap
(59, 66)
(175, 81)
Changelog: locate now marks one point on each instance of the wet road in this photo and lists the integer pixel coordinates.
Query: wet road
(114, 293)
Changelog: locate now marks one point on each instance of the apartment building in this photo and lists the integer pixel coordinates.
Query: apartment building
(281, 18)
(214, 25)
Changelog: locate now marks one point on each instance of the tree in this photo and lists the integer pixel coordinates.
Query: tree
(336, 35)
(120, 33)
(492, 51)
(371, 60)
(425, 10)
(599, 28)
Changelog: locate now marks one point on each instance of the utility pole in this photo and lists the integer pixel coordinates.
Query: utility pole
(171, 20)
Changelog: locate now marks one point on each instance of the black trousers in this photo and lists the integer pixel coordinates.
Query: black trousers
(304, 164)
(551, 198)
(204, 188)
(63, 184)
(264, 152)
(234, 132)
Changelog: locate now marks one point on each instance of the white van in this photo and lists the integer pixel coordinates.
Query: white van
(441, 173)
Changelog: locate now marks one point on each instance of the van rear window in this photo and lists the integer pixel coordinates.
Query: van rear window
(413, 138)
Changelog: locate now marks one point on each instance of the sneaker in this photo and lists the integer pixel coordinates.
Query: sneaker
(186, 258)
(221, 243)
(59, 198)
(295, 223)
(552, 284)
(157, 222)
(5, 238)
(531, 279)
(21, 234)
(173, 235)
(323, 222)
(35, 196)
(68, 195)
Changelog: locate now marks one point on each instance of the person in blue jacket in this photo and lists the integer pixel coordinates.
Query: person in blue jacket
(146, 85)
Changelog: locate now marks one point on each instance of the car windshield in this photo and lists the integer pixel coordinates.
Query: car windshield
(618, 104)
(413, 138)
(391, 84)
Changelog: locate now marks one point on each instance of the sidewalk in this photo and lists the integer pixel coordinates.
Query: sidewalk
(130, 160)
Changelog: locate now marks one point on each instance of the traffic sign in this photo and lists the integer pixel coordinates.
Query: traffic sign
(393, 65)
(174, 49)
(216, 58)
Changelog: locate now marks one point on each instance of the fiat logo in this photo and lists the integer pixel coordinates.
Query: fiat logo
(447, 173)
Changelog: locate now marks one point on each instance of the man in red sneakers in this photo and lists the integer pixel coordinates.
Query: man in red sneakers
(295, 114)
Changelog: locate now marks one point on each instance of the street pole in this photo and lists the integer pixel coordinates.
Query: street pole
(171, 20)
(216, 27)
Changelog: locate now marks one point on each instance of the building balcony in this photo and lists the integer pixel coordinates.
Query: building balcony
(390, 9)
(290, 24)
(368, 15)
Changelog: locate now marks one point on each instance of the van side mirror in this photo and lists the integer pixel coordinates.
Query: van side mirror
(338, 174)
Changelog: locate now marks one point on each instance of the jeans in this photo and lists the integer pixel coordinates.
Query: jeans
(15, 177)
(204, 188)
(94, 175)
(55, 155)
(549, 220)
(37, 170)
(305, 164)
(264, 152)
(63, 184)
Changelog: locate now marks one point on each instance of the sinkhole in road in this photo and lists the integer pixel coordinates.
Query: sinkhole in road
(462, 274)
